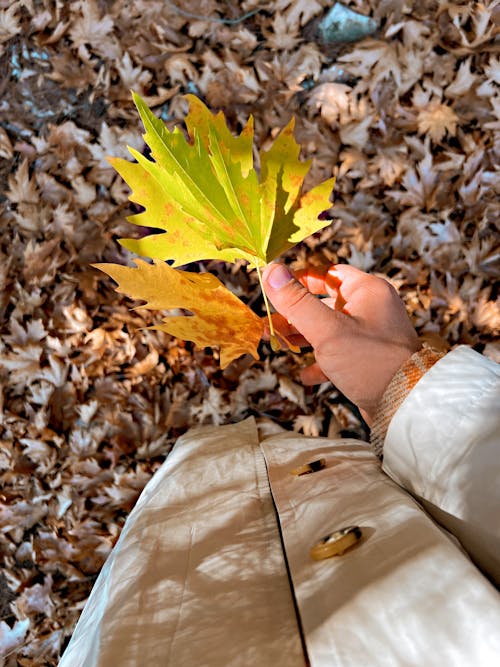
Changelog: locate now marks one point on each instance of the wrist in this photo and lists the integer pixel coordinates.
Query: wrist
(393, 359)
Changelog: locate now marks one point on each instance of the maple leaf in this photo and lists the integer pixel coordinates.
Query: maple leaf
(206, 194)
(22, 188)
(131, 76)
(283, 36)
(299, 12)
(89, 28)
(213, 406)
(437, 119)
(219, 317)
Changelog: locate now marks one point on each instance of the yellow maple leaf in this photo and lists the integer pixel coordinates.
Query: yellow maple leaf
(207, 196)
(205, 193)
(219, 318)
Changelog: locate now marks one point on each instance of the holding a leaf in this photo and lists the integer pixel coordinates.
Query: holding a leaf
(207, 196)
(256, 547)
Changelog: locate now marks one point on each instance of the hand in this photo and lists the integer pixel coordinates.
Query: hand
(360, 333)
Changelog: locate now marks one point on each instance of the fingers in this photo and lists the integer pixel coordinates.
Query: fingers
(340, 281)
(348, 276)
(328, 280)
(312, 318)
(318, 280)
(356, 284)
(285, 330)
(366, 417)
(313, 375)
(283, 327)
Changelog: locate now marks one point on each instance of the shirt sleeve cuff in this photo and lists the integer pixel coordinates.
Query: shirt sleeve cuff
(397, 390)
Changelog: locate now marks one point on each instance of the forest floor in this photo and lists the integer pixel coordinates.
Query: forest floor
(91, 401)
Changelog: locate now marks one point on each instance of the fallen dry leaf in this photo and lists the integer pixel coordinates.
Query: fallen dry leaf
(91, 399)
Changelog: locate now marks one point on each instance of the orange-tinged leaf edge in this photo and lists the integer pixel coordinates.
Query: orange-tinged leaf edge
(219, 318)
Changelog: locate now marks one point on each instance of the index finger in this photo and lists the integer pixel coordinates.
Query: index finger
(322, 281)
(319, 280)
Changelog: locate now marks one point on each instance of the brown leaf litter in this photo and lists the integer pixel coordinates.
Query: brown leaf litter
(91, 401)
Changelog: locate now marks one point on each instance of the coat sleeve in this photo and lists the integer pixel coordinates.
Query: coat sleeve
(443, 446)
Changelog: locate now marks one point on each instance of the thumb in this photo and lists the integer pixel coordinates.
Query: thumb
(312, 318)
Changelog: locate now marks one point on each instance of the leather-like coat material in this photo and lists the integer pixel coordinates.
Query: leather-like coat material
(213, 566)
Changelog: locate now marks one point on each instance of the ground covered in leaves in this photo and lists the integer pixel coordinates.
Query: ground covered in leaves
(91, 401)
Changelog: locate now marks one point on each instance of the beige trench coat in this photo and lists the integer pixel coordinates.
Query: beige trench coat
(213, 565)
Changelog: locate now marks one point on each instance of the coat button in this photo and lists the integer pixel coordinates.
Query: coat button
(336, 543)
(308, 468)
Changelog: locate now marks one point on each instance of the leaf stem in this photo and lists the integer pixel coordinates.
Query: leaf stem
(274, 339)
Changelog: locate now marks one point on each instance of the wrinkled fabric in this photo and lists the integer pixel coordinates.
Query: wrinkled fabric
(198, 575)
(406, 595)
(443, 445)
(208, 572)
